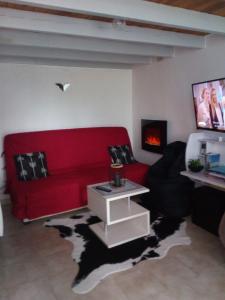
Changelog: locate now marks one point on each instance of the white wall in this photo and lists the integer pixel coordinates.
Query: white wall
(30, 101)
(162, 90)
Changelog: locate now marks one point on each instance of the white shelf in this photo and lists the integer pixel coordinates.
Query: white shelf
(213, 141)
(120, 211)
(122, 232)
(206, 179)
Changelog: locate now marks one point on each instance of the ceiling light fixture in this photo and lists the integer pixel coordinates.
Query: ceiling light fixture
(119, 23)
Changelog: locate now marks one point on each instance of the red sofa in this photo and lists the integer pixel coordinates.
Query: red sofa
(75, 159)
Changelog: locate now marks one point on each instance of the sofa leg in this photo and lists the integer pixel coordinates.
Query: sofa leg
(26, 221)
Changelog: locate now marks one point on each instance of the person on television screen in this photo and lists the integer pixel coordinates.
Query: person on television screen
(222, 85)
(222, 97)
(223, 110)
(203, 110)
(216, 110)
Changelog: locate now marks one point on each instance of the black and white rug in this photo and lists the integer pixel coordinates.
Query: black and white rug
(96, 261)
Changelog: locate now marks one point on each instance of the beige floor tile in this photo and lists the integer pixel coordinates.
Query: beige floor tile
(35, 268)
(36, 290)
(13, 252)
(138, 284)
(4, 297)
(59, 262)
(3, 293)
(107, 289)
(14, 258)
(61, 285)
(13, 275)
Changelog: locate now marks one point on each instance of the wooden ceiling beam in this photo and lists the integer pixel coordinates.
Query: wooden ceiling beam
(58, 41)
(62, 62)
(74, 55)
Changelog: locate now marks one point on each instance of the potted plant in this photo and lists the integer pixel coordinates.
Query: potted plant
(195, 165)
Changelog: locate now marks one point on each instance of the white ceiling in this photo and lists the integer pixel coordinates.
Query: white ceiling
(28, 37)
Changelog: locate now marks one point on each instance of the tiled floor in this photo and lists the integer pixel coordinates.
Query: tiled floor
(36, 264)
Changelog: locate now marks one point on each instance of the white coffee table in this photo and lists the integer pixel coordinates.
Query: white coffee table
(123, 220)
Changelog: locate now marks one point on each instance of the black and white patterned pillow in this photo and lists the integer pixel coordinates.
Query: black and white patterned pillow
(31, 166)
(121, 154)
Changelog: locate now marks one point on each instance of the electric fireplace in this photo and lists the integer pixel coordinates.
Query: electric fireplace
(154, 135)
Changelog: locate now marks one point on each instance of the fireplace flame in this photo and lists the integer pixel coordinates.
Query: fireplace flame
(153, 140)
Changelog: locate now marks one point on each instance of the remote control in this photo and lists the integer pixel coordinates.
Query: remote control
(102, 188)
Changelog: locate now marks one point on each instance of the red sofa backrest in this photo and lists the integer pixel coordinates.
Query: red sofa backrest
(66, 148)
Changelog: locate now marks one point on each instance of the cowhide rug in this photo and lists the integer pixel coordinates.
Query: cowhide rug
(96, 261)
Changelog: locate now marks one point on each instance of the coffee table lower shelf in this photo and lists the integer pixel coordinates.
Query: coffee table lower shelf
(123, 232)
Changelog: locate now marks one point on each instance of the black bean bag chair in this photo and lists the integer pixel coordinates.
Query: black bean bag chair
(170, 192)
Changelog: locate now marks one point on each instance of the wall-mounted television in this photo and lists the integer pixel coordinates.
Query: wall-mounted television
(209, 102)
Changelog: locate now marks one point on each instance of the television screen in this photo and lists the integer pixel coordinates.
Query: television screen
(209, 101)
